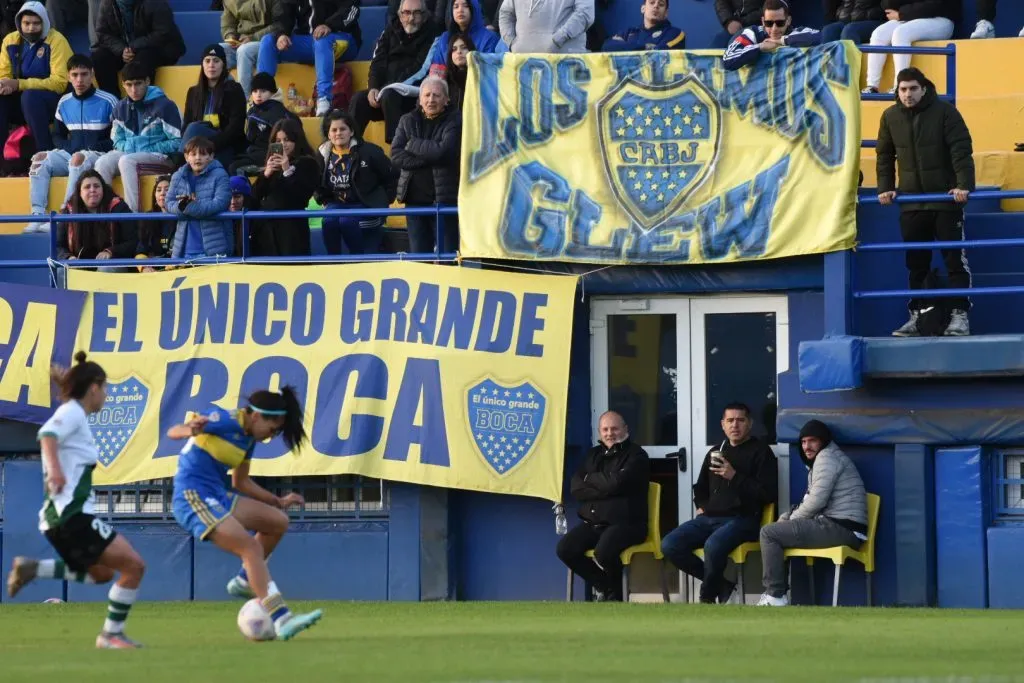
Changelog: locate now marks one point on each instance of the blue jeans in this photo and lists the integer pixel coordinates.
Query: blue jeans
(857, 31)
(423, 234)
(244, 57)
(322, 53)
(57, 163)
(719, 536)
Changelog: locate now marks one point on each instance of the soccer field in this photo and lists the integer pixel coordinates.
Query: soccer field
(198, 642)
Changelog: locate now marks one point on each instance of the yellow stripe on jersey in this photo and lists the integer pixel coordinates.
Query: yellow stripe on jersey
(200, 508)
(678, 39)
(222, 450)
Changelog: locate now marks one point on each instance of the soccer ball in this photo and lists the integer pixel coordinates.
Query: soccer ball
(254, 622)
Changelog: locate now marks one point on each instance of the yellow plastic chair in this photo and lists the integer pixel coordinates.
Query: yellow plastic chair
(840, 553)
(651, 545)
(739, 554)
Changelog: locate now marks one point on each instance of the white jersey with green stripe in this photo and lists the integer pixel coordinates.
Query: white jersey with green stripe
(77, 453)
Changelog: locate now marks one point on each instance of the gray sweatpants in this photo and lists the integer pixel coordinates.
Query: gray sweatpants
(819, 532)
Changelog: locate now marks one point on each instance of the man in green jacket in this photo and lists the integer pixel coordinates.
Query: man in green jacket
(931, 143)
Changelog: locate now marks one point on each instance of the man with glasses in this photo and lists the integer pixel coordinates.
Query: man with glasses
(397, 57)
(776, 30)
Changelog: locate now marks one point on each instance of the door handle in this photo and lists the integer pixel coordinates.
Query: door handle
(681, 455)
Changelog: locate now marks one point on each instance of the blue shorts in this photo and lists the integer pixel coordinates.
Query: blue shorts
(199, 510)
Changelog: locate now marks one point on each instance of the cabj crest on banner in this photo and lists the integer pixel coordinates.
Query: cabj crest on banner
(115, 425)
(505, 421)
(659, 144)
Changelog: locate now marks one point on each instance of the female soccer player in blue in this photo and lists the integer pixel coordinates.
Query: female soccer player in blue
(204, 505)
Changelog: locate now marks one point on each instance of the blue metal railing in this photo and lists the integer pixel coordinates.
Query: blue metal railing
(841, 290)
(1009, 485)
(246, 217)
(949, 51)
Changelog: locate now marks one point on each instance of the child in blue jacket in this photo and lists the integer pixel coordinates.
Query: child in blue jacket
(199, 191)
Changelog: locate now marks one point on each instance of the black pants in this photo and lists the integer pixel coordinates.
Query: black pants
(392, 107)
(987, 10)
(423, 233)
(606, 542)
(107, 66)
(943, 226)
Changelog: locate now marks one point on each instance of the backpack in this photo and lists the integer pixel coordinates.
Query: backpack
(341, 89)
(933, 320)
(18, 152)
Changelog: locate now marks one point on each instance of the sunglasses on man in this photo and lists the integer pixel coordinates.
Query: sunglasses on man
(777, 23)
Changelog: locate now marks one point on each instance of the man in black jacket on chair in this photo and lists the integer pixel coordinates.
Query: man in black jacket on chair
(611, 486)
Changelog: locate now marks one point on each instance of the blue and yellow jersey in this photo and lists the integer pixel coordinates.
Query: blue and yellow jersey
(206, 459)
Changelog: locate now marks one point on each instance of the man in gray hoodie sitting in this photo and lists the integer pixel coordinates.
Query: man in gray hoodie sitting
(833, 511)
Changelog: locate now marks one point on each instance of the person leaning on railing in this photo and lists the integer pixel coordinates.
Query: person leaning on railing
(155, 237)
(95, 239)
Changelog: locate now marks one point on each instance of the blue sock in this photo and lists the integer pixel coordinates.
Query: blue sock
(242, 575)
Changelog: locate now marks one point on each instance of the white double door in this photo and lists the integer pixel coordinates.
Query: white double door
(670, 365)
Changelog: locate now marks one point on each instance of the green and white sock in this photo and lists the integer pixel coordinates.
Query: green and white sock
(121, 601)
(56, 569)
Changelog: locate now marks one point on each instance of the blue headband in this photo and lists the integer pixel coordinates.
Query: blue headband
(264, 411)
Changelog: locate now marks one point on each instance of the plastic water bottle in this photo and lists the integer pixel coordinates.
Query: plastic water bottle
(561, 526)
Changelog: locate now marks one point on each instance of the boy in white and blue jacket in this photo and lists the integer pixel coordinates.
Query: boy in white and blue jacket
(146, 128)
(656, 33)
(81, 133)
(199, 191)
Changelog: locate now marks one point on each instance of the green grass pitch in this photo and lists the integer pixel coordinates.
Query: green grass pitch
(519, 641)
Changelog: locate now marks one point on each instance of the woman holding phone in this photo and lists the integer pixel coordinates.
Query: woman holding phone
(289, 177)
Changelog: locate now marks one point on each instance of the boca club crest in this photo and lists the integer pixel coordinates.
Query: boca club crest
(505, 421)
(659, 144)
(114, 425)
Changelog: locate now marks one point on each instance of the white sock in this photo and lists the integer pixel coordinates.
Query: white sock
(272, 588)
(121, 601)
(56, 569)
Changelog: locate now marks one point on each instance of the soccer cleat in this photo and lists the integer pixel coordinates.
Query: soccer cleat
(909, 328)
(240, 589)
(772, 601)
(116, 641)
(984, 29)
(958, 325)
(23, 571)
(297, 624)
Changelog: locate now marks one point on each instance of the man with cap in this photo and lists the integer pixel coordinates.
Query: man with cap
(833, 511)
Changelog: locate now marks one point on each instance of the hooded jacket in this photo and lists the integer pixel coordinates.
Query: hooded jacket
(553, 26)
(253, 18)
(611, 485)
(41, 66)
(300, 17)
(398, 55)
(150, 27)
(661, 36)
(933, 147)
(484, 39)
(84, 122)
(373, 179)
(213, 196)
(834, 489)
(848, 11)
(924, 9)
(152, 125)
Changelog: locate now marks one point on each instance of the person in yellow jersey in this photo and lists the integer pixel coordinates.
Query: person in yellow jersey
(221, 441)
(90, 550)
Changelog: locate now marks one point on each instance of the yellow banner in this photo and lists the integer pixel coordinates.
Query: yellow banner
(661, 156)
(445, 376)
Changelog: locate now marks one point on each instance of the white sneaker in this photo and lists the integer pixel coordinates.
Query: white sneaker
(958, 325)
(323, 106)
(984, 29)
(909, 328)
(771, 601)
(37, 227)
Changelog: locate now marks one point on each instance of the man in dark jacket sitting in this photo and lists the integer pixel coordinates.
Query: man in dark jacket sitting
(611, 486)
(134, 31)
(735, 482)
(930, 141)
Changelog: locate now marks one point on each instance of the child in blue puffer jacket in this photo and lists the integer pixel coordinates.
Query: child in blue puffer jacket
(199, 191)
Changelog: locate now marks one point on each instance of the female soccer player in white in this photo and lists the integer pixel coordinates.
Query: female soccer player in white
(222, 441)
(90, 550)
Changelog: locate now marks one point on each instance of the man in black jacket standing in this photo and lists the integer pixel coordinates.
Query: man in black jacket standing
(611, 486)
(736, 481)
(930, 140)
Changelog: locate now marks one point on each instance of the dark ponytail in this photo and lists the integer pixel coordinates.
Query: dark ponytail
(284, 404)
(74, 382)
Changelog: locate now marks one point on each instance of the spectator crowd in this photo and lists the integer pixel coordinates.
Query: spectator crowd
(92, 117)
